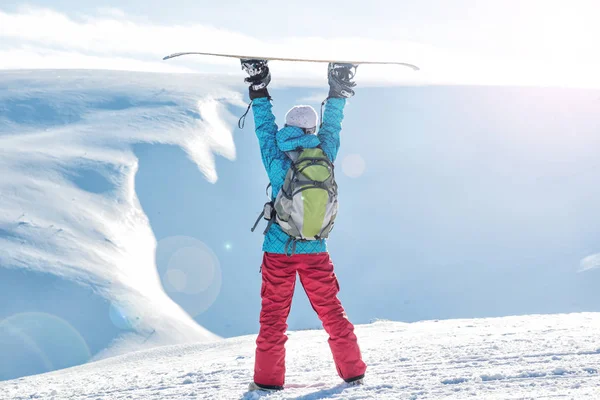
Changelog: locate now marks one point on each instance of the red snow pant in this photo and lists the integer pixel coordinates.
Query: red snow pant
(321, 286)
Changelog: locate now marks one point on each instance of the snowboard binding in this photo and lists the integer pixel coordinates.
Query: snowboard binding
(258, 72)
(340, 77)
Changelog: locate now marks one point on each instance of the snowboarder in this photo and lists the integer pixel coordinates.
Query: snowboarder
(288, 248)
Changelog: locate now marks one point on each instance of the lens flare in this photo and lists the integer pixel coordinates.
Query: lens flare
(190, 272)
(353, 165)
(34, 343)
(177, 279)
(191, 269)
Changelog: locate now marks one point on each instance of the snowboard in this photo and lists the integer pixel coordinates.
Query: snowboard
(411, 66)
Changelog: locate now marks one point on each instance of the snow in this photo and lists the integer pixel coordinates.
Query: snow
(526, 357)
(58, 129)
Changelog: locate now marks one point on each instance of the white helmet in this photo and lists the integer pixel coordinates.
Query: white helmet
(304, 117)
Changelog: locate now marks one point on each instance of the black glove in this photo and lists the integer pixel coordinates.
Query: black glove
(340, 77)
(259, 77)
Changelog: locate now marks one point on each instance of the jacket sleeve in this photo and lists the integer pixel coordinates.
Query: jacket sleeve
(329, 134)
(266, 130)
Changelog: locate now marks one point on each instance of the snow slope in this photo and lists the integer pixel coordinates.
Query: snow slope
(529, 357)
(68, 205)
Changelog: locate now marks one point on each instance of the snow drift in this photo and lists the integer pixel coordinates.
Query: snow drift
(68, 206)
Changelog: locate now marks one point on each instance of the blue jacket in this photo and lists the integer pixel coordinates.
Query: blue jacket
(273, 145)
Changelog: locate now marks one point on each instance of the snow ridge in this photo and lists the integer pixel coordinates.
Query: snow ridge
(59, 130)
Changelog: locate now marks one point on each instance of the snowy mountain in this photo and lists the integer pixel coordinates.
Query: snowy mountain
(69, 213)
(532, 357)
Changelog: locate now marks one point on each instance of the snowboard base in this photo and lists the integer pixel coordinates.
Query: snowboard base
(174, 55)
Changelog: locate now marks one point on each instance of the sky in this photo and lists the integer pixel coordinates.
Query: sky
(532, 43)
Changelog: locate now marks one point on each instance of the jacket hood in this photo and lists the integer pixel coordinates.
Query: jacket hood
(291, 138)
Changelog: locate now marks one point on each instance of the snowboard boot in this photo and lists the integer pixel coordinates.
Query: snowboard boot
(258, 72)
(255, 386)
(340, 77)
(356, 381)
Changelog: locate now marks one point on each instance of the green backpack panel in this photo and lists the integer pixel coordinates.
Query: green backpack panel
(307, 205)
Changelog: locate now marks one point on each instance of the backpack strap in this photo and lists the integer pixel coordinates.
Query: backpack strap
(267, 213)
(262, 214)
(293, 242)
(309, 185)
(294, 154)
(313, 161)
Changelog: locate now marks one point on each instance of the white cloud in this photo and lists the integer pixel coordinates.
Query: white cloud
(590, 262)
(30, 57)
(42, 38)
(111, 36)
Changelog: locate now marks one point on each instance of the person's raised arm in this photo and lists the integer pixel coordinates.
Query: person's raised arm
(340, 88)
(259, 77)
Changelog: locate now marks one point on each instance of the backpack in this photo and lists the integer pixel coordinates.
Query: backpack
(307, 204)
